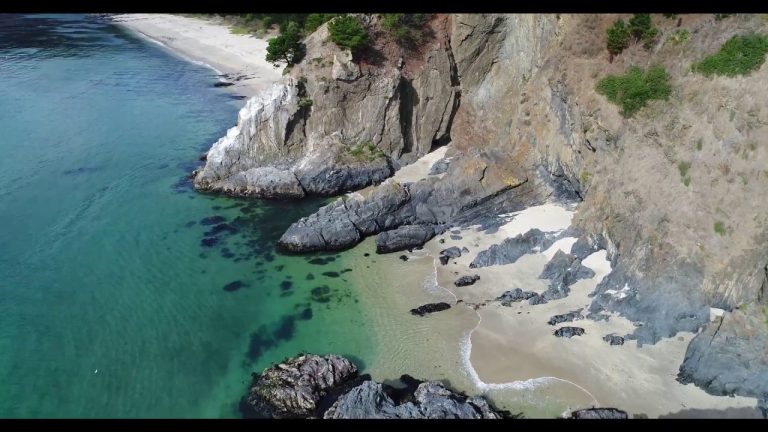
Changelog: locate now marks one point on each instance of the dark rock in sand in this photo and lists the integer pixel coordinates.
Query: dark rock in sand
(451, 252)
(234, 286)
(444, 259)
(599, 413)
(430, 308)
(563, 270)
(294, 388)
(223, 84)
(466, 280)
(515, 295)
(537, 299)
(403, 258)
(567, 317)
(456, 237)
(405, 237)
(569, 332)
(614, 339)
(464, 250)
(511, 249)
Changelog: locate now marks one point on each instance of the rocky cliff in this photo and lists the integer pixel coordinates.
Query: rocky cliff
(673, 193)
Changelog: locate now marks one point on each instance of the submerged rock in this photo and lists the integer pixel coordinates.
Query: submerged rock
(293, 388)
(466, 280)
(569, 332)
(430, 308)
(599, 413)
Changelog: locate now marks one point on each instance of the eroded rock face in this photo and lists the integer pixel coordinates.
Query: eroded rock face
(514, 296)
(511, 249)
(390, 205)
(730, 356)
(569, 332)
(404, 237)
(293, 389)
(466, 280)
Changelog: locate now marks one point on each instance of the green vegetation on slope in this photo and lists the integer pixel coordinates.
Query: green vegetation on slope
(640, 27)
(738, 56)
(315, 20)
(408, 29)
(348, 32)
(720, 228)
(634, 89)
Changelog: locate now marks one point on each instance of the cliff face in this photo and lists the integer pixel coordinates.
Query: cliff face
(515, 97)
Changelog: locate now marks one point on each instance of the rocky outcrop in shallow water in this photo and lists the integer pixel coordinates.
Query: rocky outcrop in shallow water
(430, 308)
(310, 386)
(600, 414)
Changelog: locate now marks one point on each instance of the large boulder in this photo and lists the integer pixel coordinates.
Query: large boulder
(293, 389)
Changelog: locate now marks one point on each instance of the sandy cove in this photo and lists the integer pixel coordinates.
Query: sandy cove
(511, 351)
(211, 44)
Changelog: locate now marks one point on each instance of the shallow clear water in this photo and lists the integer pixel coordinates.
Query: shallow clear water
(112, 303)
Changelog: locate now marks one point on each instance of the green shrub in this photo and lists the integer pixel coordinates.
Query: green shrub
(239, 30)
(348, 32)
(683, 167)
(618, 37)
(366, 150)
(406, 28)
(315, 20)
(720, 228)
(738, 56)
(634, 89)
(639, 24)
(305, 102)
(700, 144)
(287, 47)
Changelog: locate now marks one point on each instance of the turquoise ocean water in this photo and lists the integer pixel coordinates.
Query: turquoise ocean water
(123, 292)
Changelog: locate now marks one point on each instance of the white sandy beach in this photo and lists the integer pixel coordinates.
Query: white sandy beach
(211, 44)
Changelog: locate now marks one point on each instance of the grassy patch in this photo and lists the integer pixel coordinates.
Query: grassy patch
(738, 56)
(720, 228)
(584, 177)
(239, 30)
(366, 150)
(684, 166)
(679, 37)
(700, 144)
(633, 90)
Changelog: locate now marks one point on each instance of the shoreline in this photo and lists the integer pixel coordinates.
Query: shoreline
(240, 58)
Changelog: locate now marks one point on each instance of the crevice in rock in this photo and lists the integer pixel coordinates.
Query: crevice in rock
(408, 100)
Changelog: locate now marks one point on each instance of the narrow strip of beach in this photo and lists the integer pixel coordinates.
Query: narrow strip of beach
(240, 57)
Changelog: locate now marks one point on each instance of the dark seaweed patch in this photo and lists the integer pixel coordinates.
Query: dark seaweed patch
(279, 267)
(209, 241)
(306, 314)
(331, 274)
(212, 220)
(310, 276)
(190, 224)
(234, 286)
(286, 285)
(221, 228)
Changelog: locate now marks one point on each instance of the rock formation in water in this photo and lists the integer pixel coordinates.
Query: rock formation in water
(310, 386)
(672, 193)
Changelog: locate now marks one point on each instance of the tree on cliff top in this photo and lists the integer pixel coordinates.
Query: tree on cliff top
(287, 47)
(348, 32)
